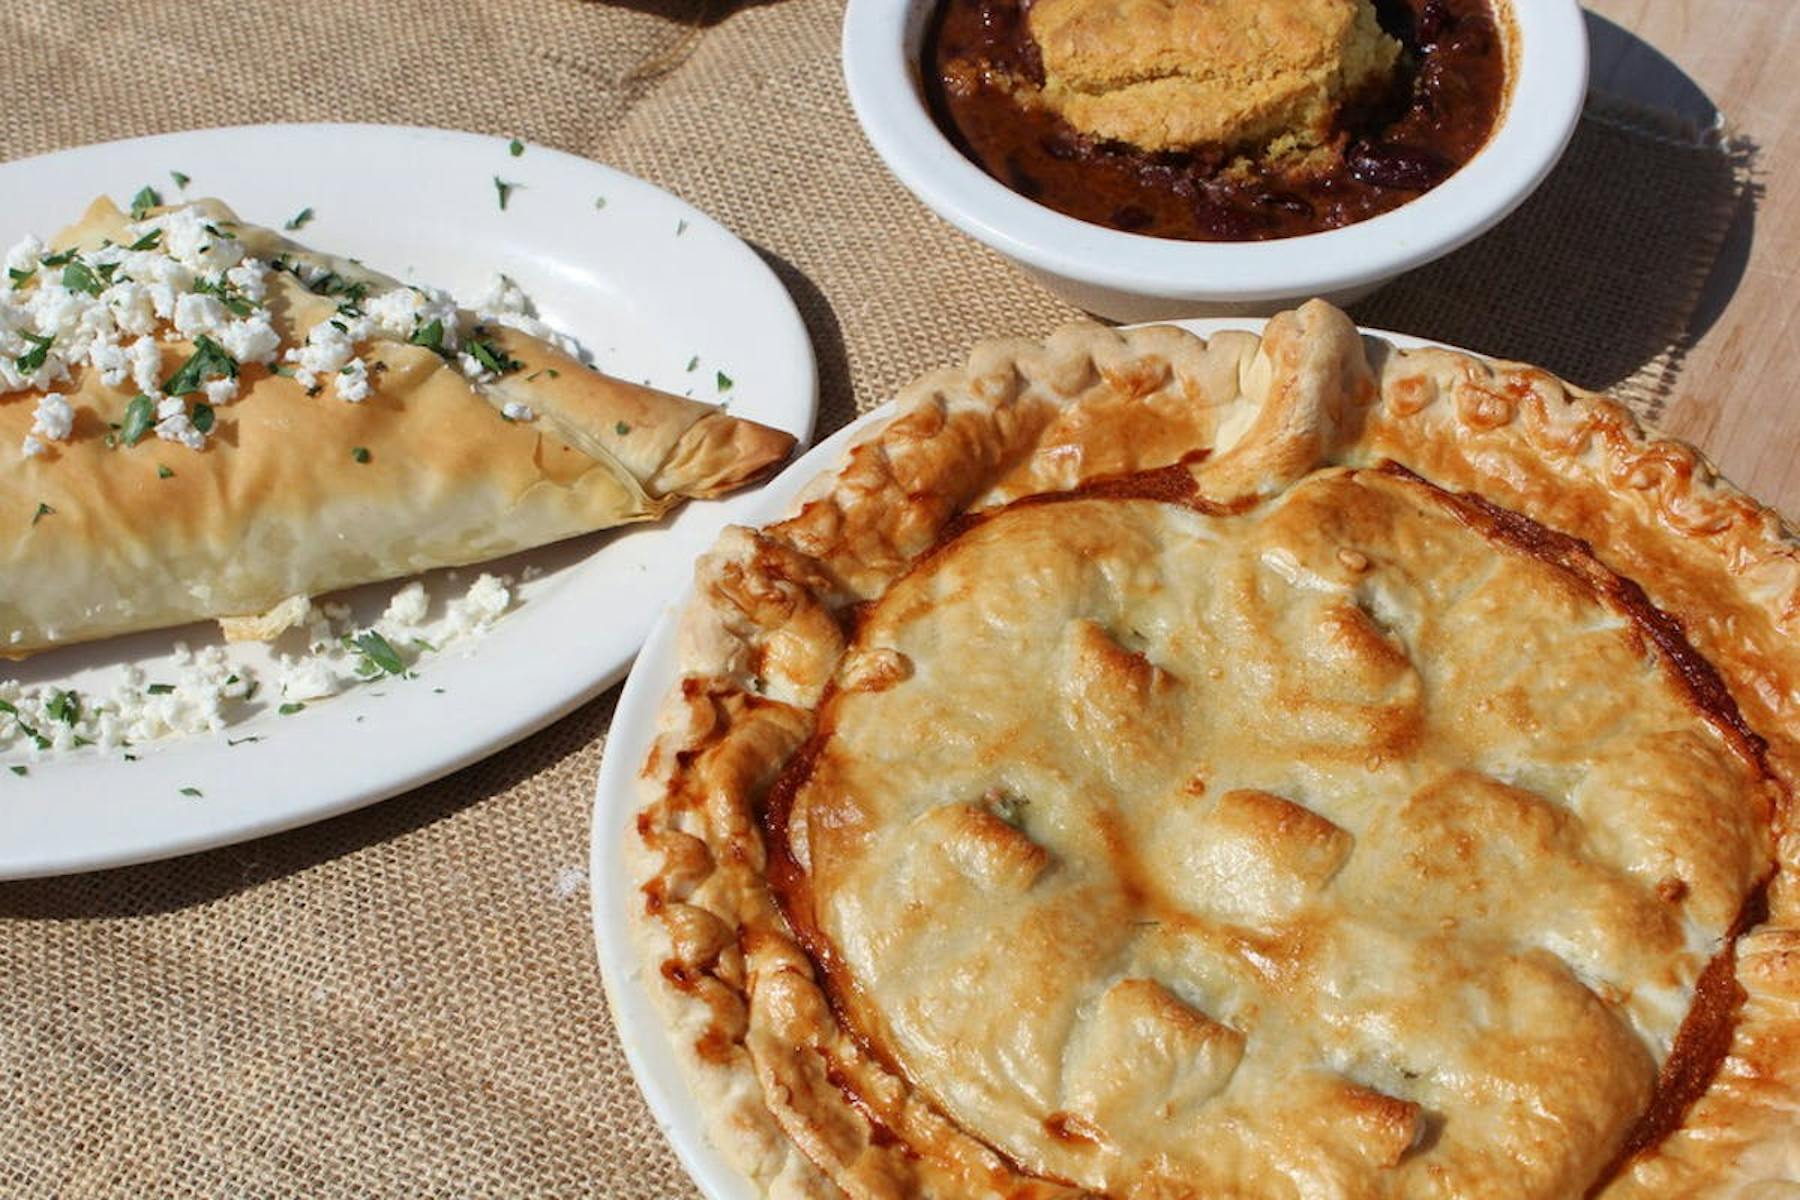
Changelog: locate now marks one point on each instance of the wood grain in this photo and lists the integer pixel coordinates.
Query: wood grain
(1738, 396)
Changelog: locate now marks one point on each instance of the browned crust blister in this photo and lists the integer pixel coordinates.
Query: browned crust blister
(803, 1107)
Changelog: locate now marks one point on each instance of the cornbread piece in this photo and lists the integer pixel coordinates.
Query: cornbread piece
(1173, 74)
(1262, 767)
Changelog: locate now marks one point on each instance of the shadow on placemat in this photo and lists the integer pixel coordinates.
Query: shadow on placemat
(1598, 275)
(174, 884)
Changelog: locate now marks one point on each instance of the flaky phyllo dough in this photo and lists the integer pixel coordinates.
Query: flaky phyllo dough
(438, 441)
(1275, 767)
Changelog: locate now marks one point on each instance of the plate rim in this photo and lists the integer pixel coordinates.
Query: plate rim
(661, 1077)
(733, 255)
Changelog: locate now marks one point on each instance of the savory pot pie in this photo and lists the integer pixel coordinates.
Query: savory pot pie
(213, 421)
(1278, 767)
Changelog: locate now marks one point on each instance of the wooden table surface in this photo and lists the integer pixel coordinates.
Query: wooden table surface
(1739, 391)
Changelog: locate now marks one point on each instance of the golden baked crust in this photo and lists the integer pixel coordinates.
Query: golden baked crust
(1287, 767)
(1165, 75)
(148, 535)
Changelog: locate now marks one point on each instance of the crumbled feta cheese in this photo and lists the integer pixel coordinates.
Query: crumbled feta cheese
(54, 419)
(180, 428)
(251, 340)
(486, 600)
(146, 366)
(502, 295)
(515, 411)
(220, 391)
(353, 381)
(193, 241)
(309, 678)
(250, 278)
(407, 608)
(197, 313)
(24, 254)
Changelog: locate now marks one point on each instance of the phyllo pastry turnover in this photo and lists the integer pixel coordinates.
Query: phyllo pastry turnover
(1281, 766)
(211, 420)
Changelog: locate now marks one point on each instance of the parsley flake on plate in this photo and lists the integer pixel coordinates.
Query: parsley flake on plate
(79, 277)
(19, 769)
(146, 199)
(290, 708)
(208, 361)
(379, 651)
(140, 414)
(723, 381)
(191, 791)
(504, 189)
(34, 358)
(181, 181)
(515, 148)
(298, 220)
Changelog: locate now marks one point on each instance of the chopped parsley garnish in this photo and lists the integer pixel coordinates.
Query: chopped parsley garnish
(140, 414)
(493, 358)
(299, 220)
(160, 689)
(34, 358)
(552, 372)
(43, 510)
(19, 769)
(20, 278)
(360, 453)
(599, 201)
(181, 180)
(163, 472)
(77, 277)
(208, 361)
(515, 148)
(379, 651)
(64, 707)
(43, 743)
(680, 228)
(693, 362)
(228, 296)
(190, 791)
(58, 259)
(504, 189)
(202, 417)
(141, 204)
(430, 336)
(621, 429)
(240, 741)
(290, 708)
(724, 381)
(148, 242)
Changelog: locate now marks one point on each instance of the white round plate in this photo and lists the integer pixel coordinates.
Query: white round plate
(659, 1073)
(652, 288)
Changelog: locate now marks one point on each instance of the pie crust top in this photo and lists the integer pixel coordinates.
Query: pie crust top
(1276, 767)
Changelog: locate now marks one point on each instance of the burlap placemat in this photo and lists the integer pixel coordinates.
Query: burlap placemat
(404, 1001)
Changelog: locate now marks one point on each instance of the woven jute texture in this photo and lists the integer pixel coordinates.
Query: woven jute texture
(404, 1001)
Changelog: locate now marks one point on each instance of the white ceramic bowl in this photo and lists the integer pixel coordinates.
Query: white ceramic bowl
(1131, 277)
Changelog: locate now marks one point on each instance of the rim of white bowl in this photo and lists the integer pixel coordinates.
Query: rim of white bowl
(881, 41)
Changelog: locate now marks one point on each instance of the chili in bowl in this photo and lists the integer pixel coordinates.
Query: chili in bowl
(1150, 160)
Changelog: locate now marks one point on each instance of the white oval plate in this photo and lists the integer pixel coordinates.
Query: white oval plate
(659, 1073)
(643, 280)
